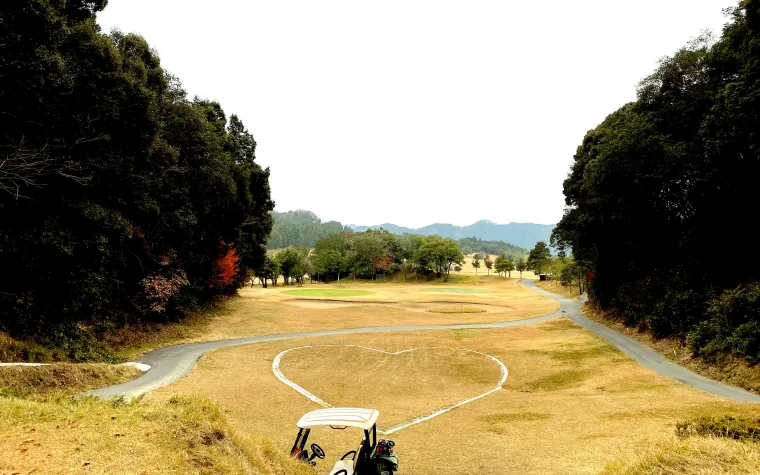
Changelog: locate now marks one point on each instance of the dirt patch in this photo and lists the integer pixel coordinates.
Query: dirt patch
(457, 309)
(432, 307)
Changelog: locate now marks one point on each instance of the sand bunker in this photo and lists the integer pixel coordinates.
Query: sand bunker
(434, 307)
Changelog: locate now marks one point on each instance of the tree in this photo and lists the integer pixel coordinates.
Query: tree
(666, 177)
(329, 263)
(457, 268)
(476, 263)
(521, 266)
(372, 253)
(269, 269)
(116, 177)
(304, 266)
(225, 266)
(488, 263)
(290, 261)
(439, 254)
(505, 265)
(539, 258)
(573, 272)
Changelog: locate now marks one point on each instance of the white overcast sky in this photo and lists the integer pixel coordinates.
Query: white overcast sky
(414, 112)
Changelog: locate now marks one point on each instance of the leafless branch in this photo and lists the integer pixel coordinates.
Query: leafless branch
(26, 167)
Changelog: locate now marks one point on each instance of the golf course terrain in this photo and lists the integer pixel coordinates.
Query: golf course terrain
(180, 296)
(568, 402)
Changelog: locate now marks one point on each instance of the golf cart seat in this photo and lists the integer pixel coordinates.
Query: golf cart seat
(347, 466)
(343, 467)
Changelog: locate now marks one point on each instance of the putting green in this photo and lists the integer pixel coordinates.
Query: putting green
(455, 290)
(329, 292)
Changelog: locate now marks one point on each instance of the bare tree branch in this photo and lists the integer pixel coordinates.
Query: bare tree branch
(26, 167)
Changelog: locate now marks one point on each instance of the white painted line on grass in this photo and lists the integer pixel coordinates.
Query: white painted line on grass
(314, 398)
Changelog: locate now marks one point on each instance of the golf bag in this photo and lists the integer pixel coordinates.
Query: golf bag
(384, 461)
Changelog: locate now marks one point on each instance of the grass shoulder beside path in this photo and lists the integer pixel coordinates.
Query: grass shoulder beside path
(729, 370)
(555, 286)
(45, 429)
(61, 379)
(86, 435)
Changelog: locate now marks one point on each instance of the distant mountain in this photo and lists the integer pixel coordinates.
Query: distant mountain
(525, 235)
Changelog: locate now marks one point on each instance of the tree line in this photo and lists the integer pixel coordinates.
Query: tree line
(363, 255)
(376, 252)
(302, 228)
(121, 199)
(669, 177)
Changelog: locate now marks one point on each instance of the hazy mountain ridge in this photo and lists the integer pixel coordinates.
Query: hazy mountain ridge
(520, 234)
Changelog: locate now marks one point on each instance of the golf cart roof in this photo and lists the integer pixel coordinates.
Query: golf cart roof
(340, 417)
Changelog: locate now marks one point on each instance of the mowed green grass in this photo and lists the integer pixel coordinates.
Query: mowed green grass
(329, 292)
(456, 290)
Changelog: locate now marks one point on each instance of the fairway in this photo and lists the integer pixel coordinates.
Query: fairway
(328, 292)
(569, 403)
(455, 290)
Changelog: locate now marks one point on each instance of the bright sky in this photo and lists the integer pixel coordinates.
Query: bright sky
(416, 111)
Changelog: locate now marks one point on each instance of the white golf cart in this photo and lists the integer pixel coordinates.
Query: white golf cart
(353, 462)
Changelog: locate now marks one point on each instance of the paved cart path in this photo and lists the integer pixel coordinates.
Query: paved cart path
(174, 362)
(645, 355)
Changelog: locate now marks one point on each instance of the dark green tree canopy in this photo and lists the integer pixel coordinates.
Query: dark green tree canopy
(116, 191)
(665, 179)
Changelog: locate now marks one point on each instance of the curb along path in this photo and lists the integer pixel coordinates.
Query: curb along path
(174, 362)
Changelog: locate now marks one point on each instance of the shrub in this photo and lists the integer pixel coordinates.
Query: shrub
(732, 326)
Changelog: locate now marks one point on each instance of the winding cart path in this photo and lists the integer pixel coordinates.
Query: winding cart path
(174, 362)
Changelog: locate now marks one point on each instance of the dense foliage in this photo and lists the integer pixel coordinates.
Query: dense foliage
(117, 193)
(300, 228)
(374, 252)
(473, 244)
(664, 180)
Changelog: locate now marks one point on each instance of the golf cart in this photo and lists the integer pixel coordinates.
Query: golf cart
(361, 461)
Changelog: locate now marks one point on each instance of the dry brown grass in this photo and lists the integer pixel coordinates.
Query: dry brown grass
(691, 456)
(733, 371)
(258, 311)
(331, 373)
(572, 403)
(555, 286)
(61, 379)
(457, 309)
(189, 435)
(261, 311)
(180, 435)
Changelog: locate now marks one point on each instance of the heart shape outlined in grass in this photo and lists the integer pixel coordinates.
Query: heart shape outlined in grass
(312, 397)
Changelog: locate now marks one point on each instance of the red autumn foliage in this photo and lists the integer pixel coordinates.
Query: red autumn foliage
(382, 263)
(225, 266)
